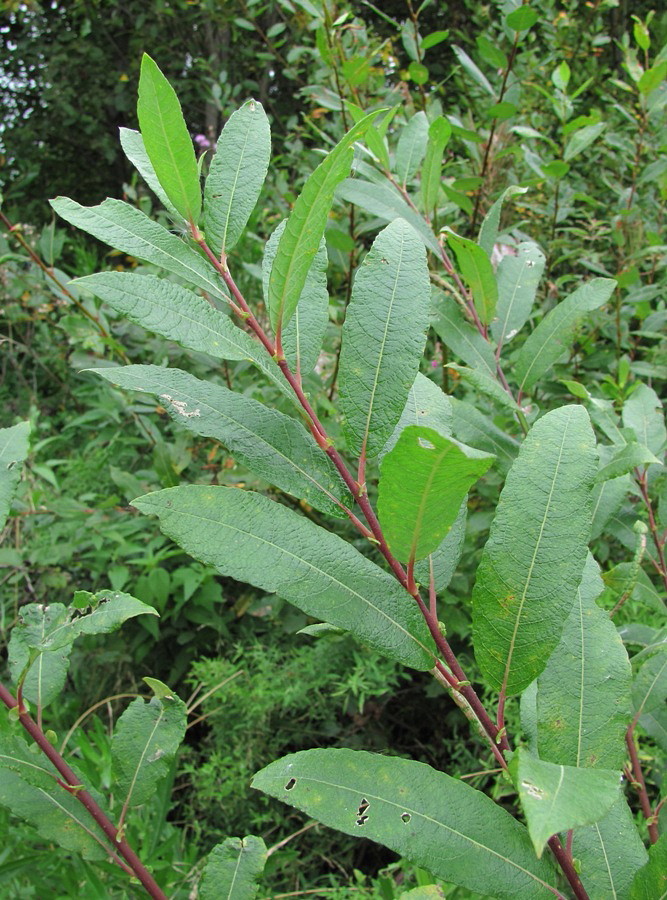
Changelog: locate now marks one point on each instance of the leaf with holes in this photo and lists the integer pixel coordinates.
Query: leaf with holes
(437, 822)
(255, 540)
(533, 560)
(383, 337)
(13, 450)
(426, 405)
(478, 274)
(232, 869)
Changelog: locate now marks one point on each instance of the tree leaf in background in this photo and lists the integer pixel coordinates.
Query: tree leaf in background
(255, 540)
(232, 869)
(423, 481)
(167, 140)
(649, 688)
(48, 673)
(236, 176)
(488, 232)
(13, 451)
(426, 405)
(581, 139)
(625, 459)
(533, 560)
(518, 278)
(474, 428)
(478, 274)
(133, 146)
(473, 70)
(439, 133)
(642, 412)
(383, 337)
(460, 336)
(650, 882)
(411, 147)
(553, 335)
(485, 384)
(438, 822)
(607, 499)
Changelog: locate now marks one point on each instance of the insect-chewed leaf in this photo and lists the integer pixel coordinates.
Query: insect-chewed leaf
(423, 481)
(518, 277)
(426, 405)
(275, 446)
(478, 274)
(533, 561)
(133, 146)
(13, 450)
(167, 140)
(236, 176)
(438, 822)
(232, 869)
(255, 540)
(383, 337)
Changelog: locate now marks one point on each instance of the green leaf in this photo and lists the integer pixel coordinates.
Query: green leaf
(521, 19)
(133, 146)
(478, 274)
(642, 412)
(232, 869)
(652, 78)
(488, 233)
(167, 140)
(473, 427)
(592, 661)
(144, 743)
(460, 336)
(302, 338)
(553, 335)
(518, 278)
(533, 560)
(445, 558)
(473, 70)
(609, 853)
(655, 724)
(625, 459)
(556, 798)
(383, 337)
(650, 882)
(180, 315)
(455, 832)
(649, 688)
(485, 384)
(426, 405)
(433, 39)
(236, 176)
(271, 444)
(255, 540)
(48, 671)
(125, 228)
(582, 139)
(418, 73)
(439, 133)
(13, 450)
(306, 225)
(411, 147)
(423, 481)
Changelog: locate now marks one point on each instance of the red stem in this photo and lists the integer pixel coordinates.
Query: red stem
(652, 524)
(640, 784)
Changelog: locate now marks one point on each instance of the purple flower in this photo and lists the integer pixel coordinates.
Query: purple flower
(202, 141)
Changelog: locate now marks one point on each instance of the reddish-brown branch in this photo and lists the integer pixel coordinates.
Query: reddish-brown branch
(640, 785)
(658, 540)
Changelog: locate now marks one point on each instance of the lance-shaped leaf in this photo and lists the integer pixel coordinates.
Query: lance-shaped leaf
(445, 558)
(642, 412)
(556, 798)
(488, 232)
(232, 869)
(144, 743)
(590, 661)
(180, 315)
(518, 278)
(655, 724)
(305, 227)
(650, 882)
(133, 147)
(126, 228)
(473, 427)
(607, 499)
(423, 481)
(30, 790)
(460, 336)
(302, 338)
(167, 140)
(485, 384)
(426, 405)
(438, 822)
(411, 147)
(478, 274)
(13, 450)
(553, 335)
(271, 444)
(48, 671)
(609, 853)
(383, 337)
(649, 688)
(625, 459)
(236, 176)
(439, 133)
(255, 540)
(533, 560)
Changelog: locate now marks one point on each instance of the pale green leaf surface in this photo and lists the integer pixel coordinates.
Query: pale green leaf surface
(437, 822)
(423, 481)
(649, 688)
(13, 451)
(625, 459)
(533, 560)
(474, 428)
(47, 674)
(642, 412)
(133, 146)
(383, 337)
(232, 869)
(478, 274)
(553, 335)
(488, 232)
(583, 696)
(445, 558)
(556, 798)
(460, 335)
(518, 278)
(655, 724)
(650, 882)
(167, 140)
(255, 540)
(426, 405)
(411, 147)
(607, 499)
(473, 70)
(271, 444)
(581, 139)
(236, 176)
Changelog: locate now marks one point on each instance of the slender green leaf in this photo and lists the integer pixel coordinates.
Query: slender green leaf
(485, 384)
(167, 140)
(271, 444)
(650, 882)
(582, 139)
(556, 798)
(528, 709)
(553, 335)
(426, 405)
(133, 146)
(461, 337)
(411, 147)
(642, 412)
(253, 539)
(445, 558)
(649, 689)
(439, 133)
(478, 274)
(625, 459)
(473, 70)
(306, 225)
(589, 662)
(232, 869)
(474, 428)
(488, 232)
(144, 743)
(423, 481)
(302, 338)
(236, 176)
(518, 278)
(438, 822)
(533, 560)
(607, 499)
(13, 450)
(383, 337)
